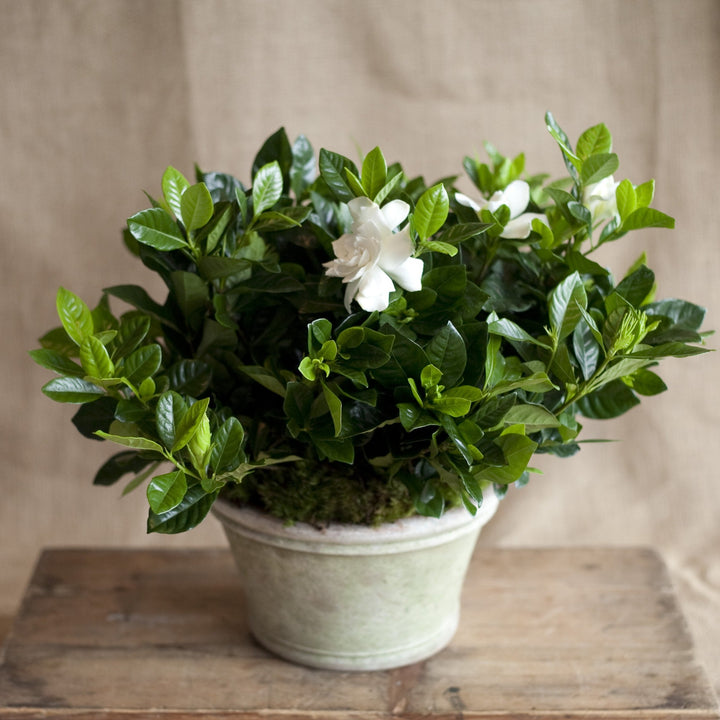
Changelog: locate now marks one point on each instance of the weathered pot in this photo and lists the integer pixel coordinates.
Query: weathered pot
(352, 597)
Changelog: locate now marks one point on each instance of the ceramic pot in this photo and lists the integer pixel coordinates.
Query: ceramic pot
(350, 597)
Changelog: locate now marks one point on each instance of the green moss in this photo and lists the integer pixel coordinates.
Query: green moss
(318, 493)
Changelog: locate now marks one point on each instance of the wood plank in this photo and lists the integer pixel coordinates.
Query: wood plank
(592, 633)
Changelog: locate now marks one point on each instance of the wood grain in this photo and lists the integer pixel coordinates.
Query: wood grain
(571, 633)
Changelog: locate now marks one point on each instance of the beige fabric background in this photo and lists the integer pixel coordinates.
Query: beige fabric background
(98, 96)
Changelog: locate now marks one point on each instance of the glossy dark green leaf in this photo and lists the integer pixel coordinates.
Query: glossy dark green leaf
(166, 491)
(170, 410)
(586, 349)
(95, 415)
(683, 314)
(157, 229)
(192, 510)
(227, 453)
(189, 377)
(72, 390)
(123, 463)
(517, 451)
(132, 331)
(447, 352)
(276, 149)
(142, 363)
(563, 305)
(636, 287)
(267, 187)
(332, 167)
(646, 382)
(138, 297)
(56, 362)
(303, 168)
(671, 349)
(610, 401)
(74, 315)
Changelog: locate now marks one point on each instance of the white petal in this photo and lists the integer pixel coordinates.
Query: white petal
(516, 196)
(350, 290)
(360, 207)
(467, 202)
(519, 228)
(408, 275)
(396, 248)
(373, 290)
(395, 212)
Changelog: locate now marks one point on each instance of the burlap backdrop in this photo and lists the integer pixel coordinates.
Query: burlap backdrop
(96, 98)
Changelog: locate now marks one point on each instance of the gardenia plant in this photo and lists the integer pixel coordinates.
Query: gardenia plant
(343, 343)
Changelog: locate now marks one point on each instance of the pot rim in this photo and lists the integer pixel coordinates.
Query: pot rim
(405, 534)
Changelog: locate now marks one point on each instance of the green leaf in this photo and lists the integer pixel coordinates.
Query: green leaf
(387, 189)
(637, 286)
(332, 167)
(120, 464)
(191, 293)
(510, 330)
(138, 297)
(56, 362)
(335, 407)
(267, 187)
(189, 377)
(156, 228)
(682, 313)
(670, 349)
(188, 423)
(645, 193)
(74, 315)
(447, 352)
(134, 442)
(72, 390)
(192, 510)
(586, 348)
(169, 412)
(196, 207)
(611, 401)
(132, 331)
(645, 217)
(594, 140)
(452, 406)
(276, 148)
(431, 211)
(226, 453)
(517, 450)
(533, 417)
(303, 168)
(374, 172)
(626, 198)
(572, 161)
(166, 491)
(142, 364)
(646, 382)
(174, 185)
(265, 378)
(597, 167)
(563, 305)
(95, 359)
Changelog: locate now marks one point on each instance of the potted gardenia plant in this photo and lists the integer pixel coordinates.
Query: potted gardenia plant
(351, 365)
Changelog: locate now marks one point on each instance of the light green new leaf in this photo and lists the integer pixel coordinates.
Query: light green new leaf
(597, 167)
(267, 187)
(645, 217)
(533, 417)
(166, 491)
(74, 315)
(431, 211)
(174, 185)
(155, 227)
(374, 172)
(626, 198)
(136, 443)
(188, 423)
(594, 140)
(95, 359)
(196, 207)
(335, 406)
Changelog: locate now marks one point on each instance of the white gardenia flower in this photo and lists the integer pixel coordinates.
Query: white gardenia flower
(371, 256)
(599, 198)
(516, 196)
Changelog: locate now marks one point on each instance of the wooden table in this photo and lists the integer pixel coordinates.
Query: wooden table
(571, 633)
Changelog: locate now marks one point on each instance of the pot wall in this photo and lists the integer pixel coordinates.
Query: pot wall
(351, 597)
